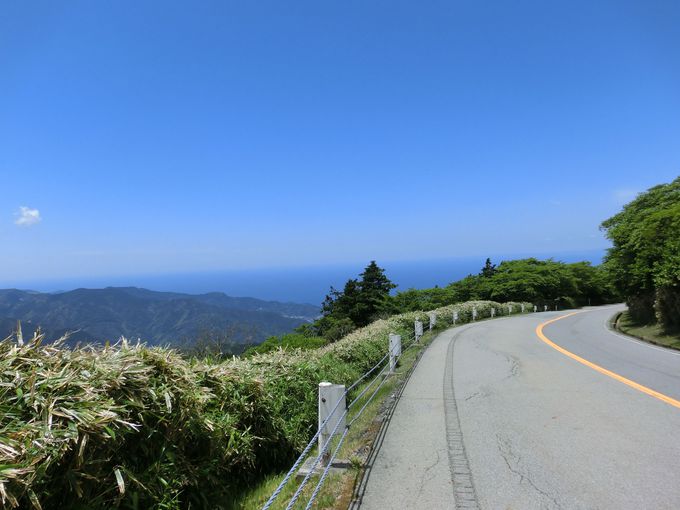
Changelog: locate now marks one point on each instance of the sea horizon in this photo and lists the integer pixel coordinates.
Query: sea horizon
(302, 284)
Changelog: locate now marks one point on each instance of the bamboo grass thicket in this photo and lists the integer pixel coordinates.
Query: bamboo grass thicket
(131, 426)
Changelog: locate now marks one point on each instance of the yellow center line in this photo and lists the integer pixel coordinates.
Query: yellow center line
(598, 368)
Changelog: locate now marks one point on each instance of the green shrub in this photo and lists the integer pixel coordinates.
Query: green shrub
(286, 342)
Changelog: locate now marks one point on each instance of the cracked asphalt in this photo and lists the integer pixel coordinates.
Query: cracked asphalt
(493, 418)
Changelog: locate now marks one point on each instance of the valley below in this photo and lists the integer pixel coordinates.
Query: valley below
(156, 318)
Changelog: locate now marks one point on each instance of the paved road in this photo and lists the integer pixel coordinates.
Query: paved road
(495, 418)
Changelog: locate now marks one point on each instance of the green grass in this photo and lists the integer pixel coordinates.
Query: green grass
(652, 333)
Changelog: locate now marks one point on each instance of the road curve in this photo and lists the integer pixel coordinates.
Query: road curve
(495, 417)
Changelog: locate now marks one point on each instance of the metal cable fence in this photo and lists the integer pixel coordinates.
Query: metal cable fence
(376, 383)
(342, 423)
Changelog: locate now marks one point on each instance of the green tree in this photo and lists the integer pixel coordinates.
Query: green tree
(342, 303)
(373, 296)
(538, 281)
(333, 328)
(467, 289)
(359, 303)
(488, 270)
(644, 261)
(421, 299)
(593, 286)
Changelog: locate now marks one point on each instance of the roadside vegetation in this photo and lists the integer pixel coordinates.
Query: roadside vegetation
(367, 298)
(337, 491)
(652, 333)
(133, 427)
(286, 343)
(136, 427)
(543, 282)
(644, 262)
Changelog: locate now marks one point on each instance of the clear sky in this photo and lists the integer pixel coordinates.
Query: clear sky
(160, 137)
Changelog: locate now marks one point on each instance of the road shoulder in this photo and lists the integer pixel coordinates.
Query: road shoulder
(411, 468)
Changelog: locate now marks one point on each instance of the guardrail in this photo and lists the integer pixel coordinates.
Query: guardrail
(334, 420)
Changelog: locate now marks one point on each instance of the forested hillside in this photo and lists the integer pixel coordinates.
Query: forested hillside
(157, 318)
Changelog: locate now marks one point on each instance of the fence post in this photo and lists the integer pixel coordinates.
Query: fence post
(433, 319)
(419, 330)
(395, 350)
(474, 313)
(329, 396)
(455, 317)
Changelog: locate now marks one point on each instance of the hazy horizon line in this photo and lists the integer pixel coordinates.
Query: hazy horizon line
(298, 284)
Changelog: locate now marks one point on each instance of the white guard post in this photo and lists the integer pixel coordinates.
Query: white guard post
(535, 308)
(474, 313)
(522, 308)
(433, 319)
(493, 312)
(395, 350)
(510, 310)
(419, 330)
(329, 395)
(455, 317)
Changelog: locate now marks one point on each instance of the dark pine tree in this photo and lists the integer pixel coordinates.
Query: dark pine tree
(488, 270)
(329, 302)
(374, 292)
(360, 302)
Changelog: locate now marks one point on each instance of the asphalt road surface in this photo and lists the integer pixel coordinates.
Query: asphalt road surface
(501, 415)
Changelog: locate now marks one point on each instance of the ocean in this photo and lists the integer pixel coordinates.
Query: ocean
(300, 284)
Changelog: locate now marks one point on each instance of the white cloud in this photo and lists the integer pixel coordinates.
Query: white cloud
(27, 216)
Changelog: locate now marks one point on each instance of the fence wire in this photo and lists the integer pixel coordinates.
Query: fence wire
(327, 470)
(322, 452)
(381, 376)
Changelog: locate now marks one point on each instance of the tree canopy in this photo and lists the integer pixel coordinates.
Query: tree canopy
(359, 303)
(644, 261)
(489, 269)
(544, 282)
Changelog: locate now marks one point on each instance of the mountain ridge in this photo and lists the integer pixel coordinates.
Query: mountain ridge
(106, 314)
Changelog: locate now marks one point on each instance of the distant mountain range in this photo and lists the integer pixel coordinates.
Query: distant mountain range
(98, 315)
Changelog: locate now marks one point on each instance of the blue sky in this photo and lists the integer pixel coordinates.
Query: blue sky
(161, 137)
